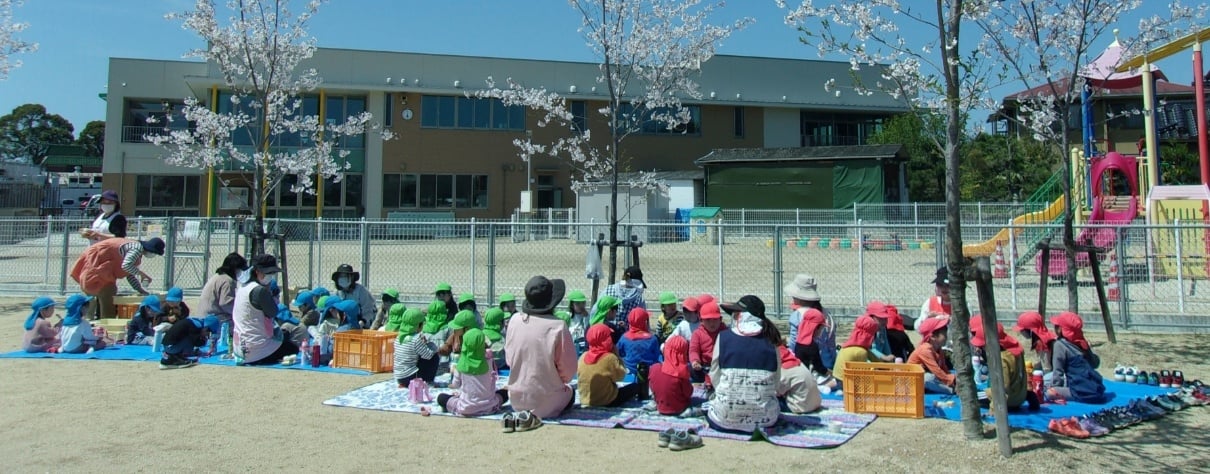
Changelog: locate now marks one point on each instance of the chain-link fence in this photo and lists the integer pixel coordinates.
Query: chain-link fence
(1155, 275)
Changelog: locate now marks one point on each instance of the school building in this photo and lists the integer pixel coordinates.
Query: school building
(455, 154)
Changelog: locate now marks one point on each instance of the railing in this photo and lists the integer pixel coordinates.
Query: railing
(1154, 274)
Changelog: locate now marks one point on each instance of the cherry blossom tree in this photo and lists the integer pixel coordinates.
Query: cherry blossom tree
(939, 73)
(648, 52)
(259, 50)
(10, 44)
(1048, 46)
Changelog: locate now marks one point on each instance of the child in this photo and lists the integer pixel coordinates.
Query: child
(670, 385)
(435, 321)
(796, 385)
(600, 370)
(881, 347)
(825, 339)
(141, 328)
(40, 334)
(811, 326)
(493, 323)
(901, 344)
(174, 305)
(607, 313)
(937, 376)
(394, 317)
(323, 333)
(1075, 376)
(463, 321)
(290, 325)
(701, 345)
(508, 304)
(415, 354)
(184, 337)
(475, 379)
(638, 346)
(1011, 359)
(669, 316)
(691, 319)
(578, 323)
(349, 313)
(390, 297)
(1031, 325)
(76, 335)
(305, 303)
(857, 348)
(466, 302)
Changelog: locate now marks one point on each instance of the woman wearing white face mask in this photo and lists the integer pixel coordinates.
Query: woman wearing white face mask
(347, 288)
(111, 223)
(254, 337)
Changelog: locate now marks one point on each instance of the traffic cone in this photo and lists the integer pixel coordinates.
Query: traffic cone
(1001, 270)
(1112, 291)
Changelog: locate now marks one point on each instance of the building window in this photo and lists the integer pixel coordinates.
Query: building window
(144, 117)
(388, 110)
(166, 192)
(651, 126)
(346, 193)
(338, 110)
(579, 115)
(837, 129)
(470, 113)
(739, 122)
(434, 191)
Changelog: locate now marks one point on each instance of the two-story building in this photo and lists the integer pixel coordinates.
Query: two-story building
(456, 153)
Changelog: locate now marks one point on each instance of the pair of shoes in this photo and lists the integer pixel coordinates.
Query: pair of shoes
(650, 406)
(1068, 427)
(1146, 410)
(1092, 427)
(692, 412)
(176, 362)
(685, 439)
(666, 437)
(1166, 403)
(1131, 374)
(526, 421)
(1119, 373)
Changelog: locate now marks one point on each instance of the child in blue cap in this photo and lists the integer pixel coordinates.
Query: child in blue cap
(76, 335)
(184, 337)
(174, 305)
(141, 328)
(40, 333)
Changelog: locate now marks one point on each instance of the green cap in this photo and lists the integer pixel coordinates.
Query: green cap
(410, 321)
(564, 315)
(435, 318)
(493, 322)
(667, 297)
(393, 293)
(466, 297)
(443, 287)
(576, 296)
(507, 297)
(395, 317)
(604, 304)
(465, 319)
(322, 304)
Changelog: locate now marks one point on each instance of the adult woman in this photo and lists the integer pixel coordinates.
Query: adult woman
(540, 353)
(254, 337)
(745, 371)
(101, 265)
(218, 294)
(110, 223)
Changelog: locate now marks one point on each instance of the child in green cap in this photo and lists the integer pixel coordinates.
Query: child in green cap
(475, 379)
(606, 313)
(670, 316)
(445, 294)
(394, 317)
(508, 303)
(415, 354)
(466, 302)
(578, 323)
(389, 297)
(493, 328)
(463, 321)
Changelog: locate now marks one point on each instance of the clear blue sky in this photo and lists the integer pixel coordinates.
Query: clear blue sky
(77, 37)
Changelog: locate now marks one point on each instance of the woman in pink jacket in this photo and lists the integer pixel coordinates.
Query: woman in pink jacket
(541, 356)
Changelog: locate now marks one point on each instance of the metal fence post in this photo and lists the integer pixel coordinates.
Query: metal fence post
(916, 218)
(319, 240)
(491, 264)
(1180, 267)
(979, 219)
(777, 270)
(473, 287)
(170, 257)
(722, 286)
(311, 255)
(365, 252)
(939, 245)
(743, 222)
(63, 261)
(46, 265)
(206, 251)
(860, 264)
(1012, 262)
(1123, 282)
(550, 223)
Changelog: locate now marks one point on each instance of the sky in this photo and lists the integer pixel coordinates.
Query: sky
(77, 37)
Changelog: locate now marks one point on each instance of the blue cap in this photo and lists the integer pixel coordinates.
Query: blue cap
(304, 299)
(212, 323)
(349, 307)
(75, 309)
(175, 295)
(152, 302)
(319, 292)
(39, 304)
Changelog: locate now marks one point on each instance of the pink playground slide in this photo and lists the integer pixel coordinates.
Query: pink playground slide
(1108, 209)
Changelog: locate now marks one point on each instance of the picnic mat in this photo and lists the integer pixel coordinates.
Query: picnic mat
(144, 353)
(1119, 394)
(799, 431)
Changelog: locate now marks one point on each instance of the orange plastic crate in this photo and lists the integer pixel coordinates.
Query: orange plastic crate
(372, 351)
(126, 311)
(894, 390)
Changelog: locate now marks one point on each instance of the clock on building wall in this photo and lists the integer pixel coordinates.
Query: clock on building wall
(407, 114)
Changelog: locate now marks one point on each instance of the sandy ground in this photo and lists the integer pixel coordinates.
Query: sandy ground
(66, 416)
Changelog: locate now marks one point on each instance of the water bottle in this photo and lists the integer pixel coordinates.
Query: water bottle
(1036, 384)
(304, 353)
(1029, 367)
(158, 346)
(212, 347)
(640, 377)
(898, 360)
(224, 337)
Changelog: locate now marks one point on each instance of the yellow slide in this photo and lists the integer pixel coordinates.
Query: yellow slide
(1044, 216)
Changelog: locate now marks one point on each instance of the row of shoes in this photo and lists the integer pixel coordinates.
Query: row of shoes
(520, 421)
(1162, 379)
(1138, 411)
(680, 440)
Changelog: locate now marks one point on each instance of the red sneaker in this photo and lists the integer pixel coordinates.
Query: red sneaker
(1178, 379)
(1165, 379)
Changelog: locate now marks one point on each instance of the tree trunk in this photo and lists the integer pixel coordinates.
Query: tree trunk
(615, 142)
(257, 232)
(972, 423)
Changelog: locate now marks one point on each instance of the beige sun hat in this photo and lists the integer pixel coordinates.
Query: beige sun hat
(803, 288)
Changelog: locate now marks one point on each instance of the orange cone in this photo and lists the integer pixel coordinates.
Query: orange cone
(1001, 270)
(1113, 293)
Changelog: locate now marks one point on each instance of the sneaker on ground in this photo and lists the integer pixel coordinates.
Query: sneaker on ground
(1165, 379)
(687, 439)
(176, 362)
(1092, 427)
(527, 421)
(1154, 379)
(1119, 373)
(666, 437)
(1178, 379)
(509, 422)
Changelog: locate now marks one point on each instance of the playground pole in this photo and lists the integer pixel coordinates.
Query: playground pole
(1203, 145)
(1153, 150)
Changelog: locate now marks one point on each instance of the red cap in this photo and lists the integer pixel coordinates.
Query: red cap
(691, 304)
(710, 311)
(932, 325)
(877, 309)
(704, 298)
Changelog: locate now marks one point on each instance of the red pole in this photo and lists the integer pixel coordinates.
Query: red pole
(1203, 145)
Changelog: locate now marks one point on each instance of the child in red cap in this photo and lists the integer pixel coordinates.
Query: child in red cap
(1031, 325)
(701, 346)
(881, 347)
(1012, 361)
(857, 348)
(937, 376)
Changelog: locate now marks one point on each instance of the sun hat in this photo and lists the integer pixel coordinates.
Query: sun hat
(667, 297)
(346, 269)
(542, 295)
(391, 292)
(153, 245)
(635, 273)
(747, 304)
(466, 297)
(576, 296)
(942, 277)
(110, 195)
(704, 298)
(40, 303)
(174, 295)
(465, 319)
(266, 264)
(802, 288)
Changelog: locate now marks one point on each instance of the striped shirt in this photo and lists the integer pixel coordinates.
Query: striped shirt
(131, 253)
(408, 354)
